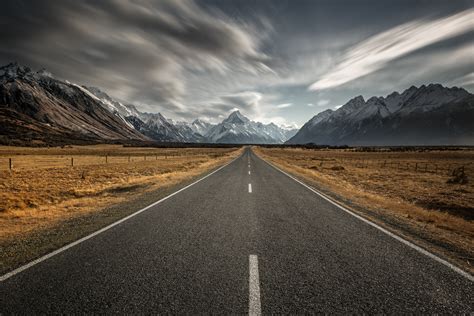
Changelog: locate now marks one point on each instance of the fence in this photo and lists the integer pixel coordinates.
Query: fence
(414, 166)
(22, 162)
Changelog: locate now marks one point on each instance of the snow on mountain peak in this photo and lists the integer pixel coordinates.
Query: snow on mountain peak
(111, 104)
(381, 119)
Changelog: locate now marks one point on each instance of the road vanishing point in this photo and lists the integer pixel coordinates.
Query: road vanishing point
(246, 239)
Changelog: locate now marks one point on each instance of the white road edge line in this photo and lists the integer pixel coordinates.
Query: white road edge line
(255, 308)
(64, 248)
(249, 172)
(400, 239)
(250, 187)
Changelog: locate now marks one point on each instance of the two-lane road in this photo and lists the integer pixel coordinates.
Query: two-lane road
(245, 239)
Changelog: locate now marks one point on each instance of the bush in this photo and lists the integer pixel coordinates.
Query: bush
(458, 176)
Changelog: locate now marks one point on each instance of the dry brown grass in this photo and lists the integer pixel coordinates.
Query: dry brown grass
(43, 189)
(419, 201)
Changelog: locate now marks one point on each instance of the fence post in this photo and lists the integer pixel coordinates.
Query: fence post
(144, 157)
(416, 167)
(10, 164)
(72, 162)
(128, 158)
(106, 159)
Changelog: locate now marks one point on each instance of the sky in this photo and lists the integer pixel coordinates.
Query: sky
(276, 61)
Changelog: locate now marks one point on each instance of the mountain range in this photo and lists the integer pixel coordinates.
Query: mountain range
(36, 107)
(428, 115)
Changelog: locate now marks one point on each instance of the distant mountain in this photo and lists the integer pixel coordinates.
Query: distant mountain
(428, 115)
(239, 129)
(234, 129)
(36, 107)
(152, 125)
(187, 132)
(156, 127)
(201, 127)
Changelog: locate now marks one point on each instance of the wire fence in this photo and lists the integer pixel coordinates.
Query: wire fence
(435, 167)
(24, 162)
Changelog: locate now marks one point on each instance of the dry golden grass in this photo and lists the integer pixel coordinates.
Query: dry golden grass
(43, 189)
(419, 201)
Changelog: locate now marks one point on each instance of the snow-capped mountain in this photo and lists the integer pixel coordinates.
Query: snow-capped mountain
(234, 129)
(152, 125)
(111, 104)
(187, 132)
(201, 127)
(239, 129)
(428, 115)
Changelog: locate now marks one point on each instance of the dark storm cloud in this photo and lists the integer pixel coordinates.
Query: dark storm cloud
(140, 51)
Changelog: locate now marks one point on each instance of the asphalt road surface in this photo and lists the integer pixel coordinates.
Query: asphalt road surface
(246, 239)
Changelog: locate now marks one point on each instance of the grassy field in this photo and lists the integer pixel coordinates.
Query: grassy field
(46, 187)
(409, 190)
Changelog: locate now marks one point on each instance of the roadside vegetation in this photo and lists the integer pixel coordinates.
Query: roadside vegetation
(426, 195)
(44, 189)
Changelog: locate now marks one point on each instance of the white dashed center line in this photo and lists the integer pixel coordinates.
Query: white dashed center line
(250, 187)
(254, 287)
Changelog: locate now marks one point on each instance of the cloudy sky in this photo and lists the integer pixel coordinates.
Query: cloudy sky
(280, 61)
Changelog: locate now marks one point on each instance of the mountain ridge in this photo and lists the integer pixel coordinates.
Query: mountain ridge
(445, 114)
(36, 107)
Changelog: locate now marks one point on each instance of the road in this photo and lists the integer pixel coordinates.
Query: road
(246, 239)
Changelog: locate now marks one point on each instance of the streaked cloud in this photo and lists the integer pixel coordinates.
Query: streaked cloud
(284, 105)
(464, 81)
(205, 58)
(138, 51)
(375, 52)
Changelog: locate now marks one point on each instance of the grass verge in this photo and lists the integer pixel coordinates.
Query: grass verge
(421, 207)
(44, 209)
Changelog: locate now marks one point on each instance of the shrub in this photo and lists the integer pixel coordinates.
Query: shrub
(458, 176)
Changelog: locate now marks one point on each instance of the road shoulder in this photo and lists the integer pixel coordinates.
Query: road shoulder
(408, 230)
(27, 247)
